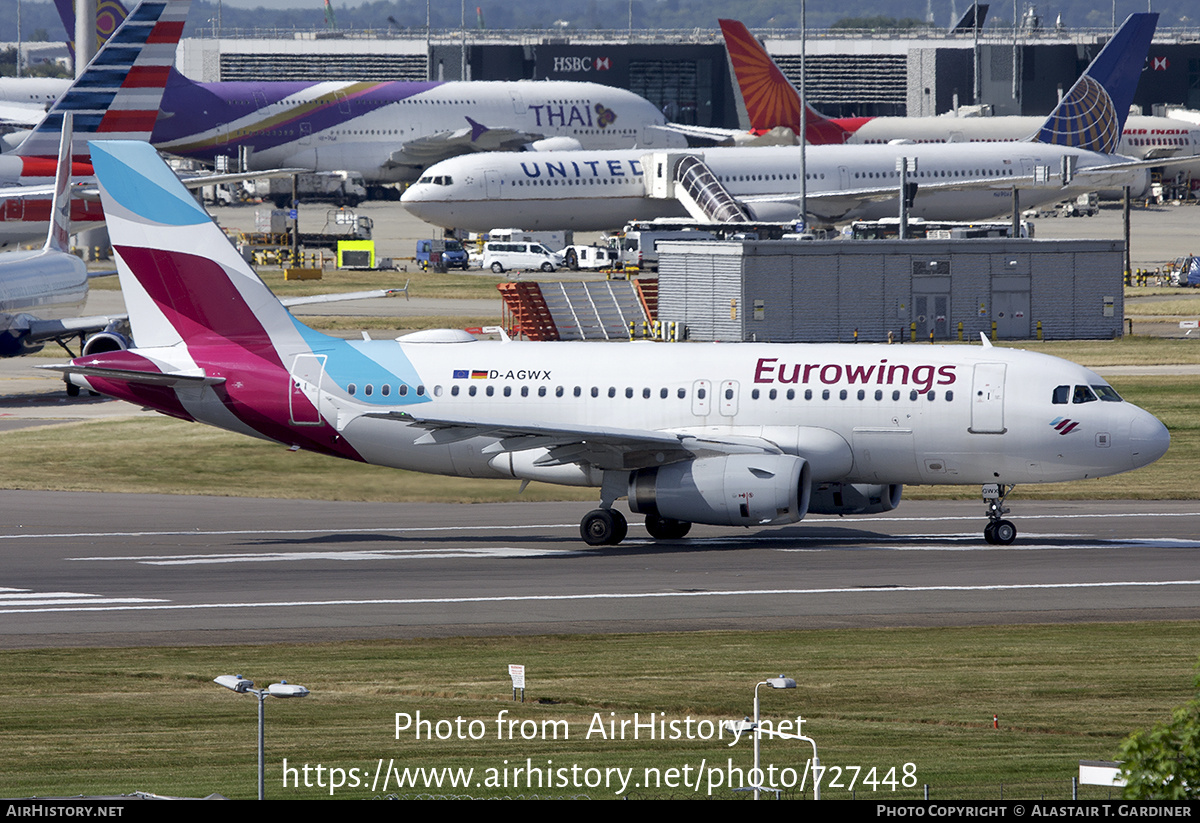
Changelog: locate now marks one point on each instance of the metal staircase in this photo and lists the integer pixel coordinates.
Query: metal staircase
(703, 195)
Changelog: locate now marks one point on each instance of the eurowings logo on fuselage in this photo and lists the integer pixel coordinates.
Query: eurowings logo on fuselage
(1064, 425)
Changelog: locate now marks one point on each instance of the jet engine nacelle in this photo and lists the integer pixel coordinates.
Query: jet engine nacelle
(854, 498)
(106, 341)
(555, 144)
(729, 490)
(782, 212)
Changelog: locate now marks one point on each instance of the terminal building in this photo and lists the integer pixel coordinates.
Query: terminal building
(688, 76)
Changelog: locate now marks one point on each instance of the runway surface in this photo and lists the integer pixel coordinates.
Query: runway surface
(98, 569)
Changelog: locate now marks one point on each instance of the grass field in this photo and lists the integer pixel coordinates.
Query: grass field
(108, 721)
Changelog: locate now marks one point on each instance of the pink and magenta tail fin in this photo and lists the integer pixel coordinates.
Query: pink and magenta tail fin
(183, 280)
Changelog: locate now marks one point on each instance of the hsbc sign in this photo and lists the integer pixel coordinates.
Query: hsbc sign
(566, 65)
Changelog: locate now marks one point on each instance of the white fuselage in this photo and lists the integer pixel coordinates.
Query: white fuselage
(859, 414)
(1175, 141)
(603, 190)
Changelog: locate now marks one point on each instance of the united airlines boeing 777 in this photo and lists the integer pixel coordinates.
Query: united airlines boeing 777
(734, 434)
(1071, 152)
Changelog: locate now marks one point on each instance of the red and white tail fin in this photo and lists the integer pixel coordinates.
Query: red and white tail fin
(771, 99)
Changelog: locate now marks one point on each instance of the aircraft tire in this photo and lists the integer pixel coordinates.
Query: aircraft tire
(989, 533)
(663, 528)
(1004, 533)
(603, 527)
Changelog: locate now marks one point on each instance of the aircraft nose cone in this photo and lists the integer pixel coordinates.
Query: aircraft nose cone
(1148, 439)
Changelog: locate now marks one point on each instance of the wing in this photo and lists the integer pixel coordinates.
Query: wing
(601, 446)
(473, 137)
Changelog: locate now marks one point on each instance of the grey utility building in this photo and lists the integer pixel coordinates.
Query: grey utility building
(829, 290)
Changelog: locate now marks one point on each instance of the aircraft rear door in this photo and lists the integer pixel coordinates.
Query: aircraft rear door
(304, 389)
(987, 399)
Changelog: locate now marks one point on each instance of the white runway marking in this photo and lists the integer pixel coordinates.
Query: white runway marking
(601, 596)
(815, 520)
(351, 554)
(27, 599)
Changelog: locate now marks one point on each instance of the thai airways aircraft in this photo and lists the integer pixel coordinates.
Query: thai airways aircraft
(773, 103)
(117, 96)
(733, 434)
(1071, 152)
(390, 131)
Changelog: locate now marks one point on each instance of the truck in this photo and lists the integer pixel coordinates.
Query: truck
(344, 188)
(454, 256)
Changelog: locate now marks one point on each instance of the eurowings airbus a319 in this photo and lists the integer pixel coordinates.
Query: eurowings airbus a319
(724, 434)
(1072, 152)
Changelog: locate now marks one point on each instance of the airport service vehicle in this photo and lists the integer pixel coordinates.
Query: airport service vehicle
(592, 258)
(454, 256)
(502, 256)
(344, 188)
(639, 243)
(724, 434)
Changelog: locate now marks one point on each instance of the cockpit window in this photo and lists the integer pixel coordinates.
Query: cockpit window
(1083, 395)
(1107, 393)
(1062, 395)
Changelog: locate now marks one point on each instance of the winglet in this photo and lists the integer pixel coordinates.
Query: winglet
(1092, 114)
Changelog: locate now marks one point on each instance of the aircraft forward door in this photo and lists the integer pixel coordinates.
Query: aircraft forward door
(304, 389)
(987, 399)
(492, 183)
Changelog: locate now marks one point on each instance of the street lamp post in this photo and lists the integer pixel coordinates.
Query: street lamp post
(239, 684)
(780, 682)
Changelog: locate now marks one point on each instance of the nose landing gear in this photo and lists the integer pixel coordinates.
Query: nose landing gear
(998, 531)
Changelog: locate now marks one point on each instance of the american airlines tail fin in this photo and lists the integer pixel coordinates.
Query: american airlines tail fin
(183, 280)
(120, 92)
(109, 15)
(1092, 114)
(771, 99)
(58, 238)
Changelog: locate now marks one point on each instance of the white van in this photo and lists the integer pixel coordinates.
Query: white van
(500, 257)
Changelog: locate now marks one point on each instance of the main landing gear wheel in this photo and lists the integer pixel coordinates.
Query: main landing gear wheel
(603, 527)
(1000, 533)
(663, 528)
